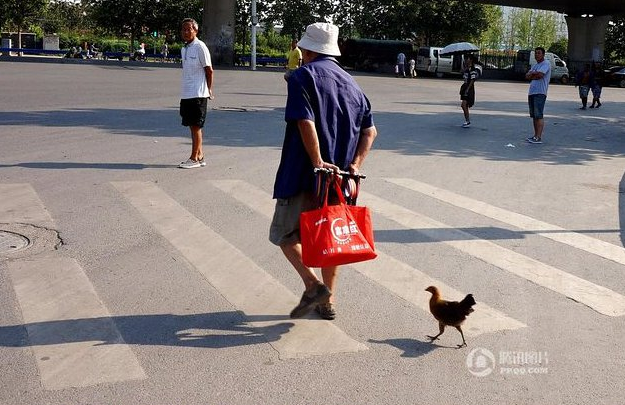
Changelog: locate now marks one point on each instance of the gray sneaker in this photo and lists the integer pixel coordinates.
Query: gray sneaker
(191, 164)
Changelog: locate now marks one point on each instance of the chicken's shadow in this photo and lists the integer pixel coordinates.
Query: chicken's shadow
(410, 347)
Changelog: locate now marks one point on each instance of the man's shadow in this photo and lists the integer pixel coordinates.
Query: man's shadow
(212, 330)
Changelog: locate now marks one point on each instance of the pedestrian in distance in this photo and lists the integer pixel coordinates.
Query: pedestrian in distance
(164, 52)
(539, 76)
(467, 91)
(412, 68)
(196, 89)
(294, 60)
(401, 65)
(596, 84)
(329, 125)
(582, 81)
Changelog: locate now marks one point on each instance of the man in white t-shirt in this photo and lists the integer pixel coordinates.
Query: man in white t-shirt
(196, 89)
(539, 76)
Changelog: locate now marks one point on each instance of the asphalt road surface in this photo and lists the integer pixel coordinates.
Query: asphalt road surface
(142, 283)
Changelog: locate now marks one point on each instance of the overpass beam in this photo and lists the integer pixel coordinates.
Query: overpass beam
(218, 30)
(586, 39)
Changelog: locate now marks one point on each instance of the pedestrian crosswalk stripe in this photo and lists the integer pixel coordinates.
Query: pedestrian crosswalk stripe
(553, 232)
(398, 277)
(601, 299)
(57, 302)
(21, 204)
(237, 278)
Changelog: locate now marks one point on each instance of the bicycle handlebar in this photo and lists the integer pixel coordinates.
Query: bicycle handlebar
(341, 172)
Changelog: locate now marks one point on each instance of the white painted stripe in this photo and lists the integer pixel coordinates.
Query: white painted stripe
(398, 277)
(601, 299)
(553, 232)
(74, 340)
(19, 203)
(241, 281)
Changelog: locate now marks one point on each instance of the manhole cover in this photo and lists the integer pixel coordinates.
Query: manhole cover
(12, 242)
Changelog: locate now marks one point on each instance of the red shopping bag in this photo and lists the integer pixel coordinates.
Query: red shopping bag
(336, 234)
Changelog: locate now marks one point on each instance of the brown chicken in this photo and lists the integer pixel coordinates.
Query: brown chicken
(449, 313)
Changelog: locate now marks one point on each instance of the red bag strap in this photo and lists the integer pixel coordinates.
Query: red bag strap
(337, 179)
(348, 186)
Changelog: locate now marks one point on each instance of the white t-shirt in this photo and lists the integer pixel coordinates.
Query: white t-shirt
(540, 86)
(195, 57)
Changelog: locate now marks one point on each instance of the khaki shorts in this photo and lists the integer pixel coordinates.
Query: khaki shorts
(285, 223)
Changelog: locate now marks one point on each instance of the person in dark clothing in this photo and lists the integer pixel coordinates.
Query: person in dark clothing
(467, 91)
(596, 84)
(330, 126)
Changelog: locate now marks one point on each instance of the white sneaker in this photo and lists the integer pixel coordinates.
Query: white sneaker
(202, 162)
(191, 164)
(466, 124)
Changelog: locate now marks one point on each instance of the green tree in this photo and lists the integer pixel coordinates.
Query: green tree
(543, 31)
(493, 36)
(433, 22)
(445, 21)
(560, 47)
(171, 13)
(531, 28)
(21, 13)
(295, 15)
(137, 18)
(615, 41)
(63, 15)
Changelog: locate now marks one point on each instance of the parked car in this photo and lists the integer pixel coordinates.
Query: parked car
(615, 76)
(429, 61)
(559, 71)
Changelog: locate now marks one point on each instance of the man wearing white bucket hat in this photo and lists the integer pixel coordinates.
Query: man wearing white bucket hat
(329, 125)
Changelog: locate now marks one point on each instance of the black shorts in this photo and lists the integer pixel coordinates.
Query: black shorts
(193, 111)
(470, 97)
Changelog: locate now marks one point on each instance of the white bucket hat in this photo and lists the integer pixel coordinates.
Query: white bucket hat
(321, 38)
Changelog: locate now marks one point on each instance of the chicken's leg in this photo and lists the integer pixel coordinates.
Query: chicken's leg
(441, 329)
(464, 342)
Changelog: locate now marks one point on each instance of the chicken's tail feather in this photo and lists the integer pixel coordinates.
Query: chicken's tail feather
(467, 303)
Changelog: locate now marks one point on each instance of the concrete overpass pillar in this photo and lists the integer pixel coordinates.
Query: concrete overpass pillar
(218, 30)
(586, 39)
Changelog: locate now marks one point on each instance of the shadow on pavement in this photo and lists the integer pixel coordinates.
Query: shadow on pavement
(498, 131)
(409, 347)
(213, 330)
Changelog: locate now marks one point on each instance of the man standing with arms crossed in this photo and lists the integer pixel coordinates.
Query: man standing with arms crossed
(196, 89)
(539, 76)
(329, 125)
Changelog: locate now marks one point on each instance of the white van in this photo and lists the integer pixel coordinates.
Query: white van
(429, 61)
(559, 71)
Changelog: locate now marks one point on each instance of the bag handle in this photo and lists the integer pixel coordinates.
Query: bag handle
(349, 184)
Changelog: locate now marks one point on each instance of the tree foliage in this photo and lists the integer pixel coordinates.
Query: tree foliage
(428, 22)
(560, 48)
(141, 17)
(531, 28)
(615, 40)
(493, 36)
(19, 14)
(63, 15)
(295, 15)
